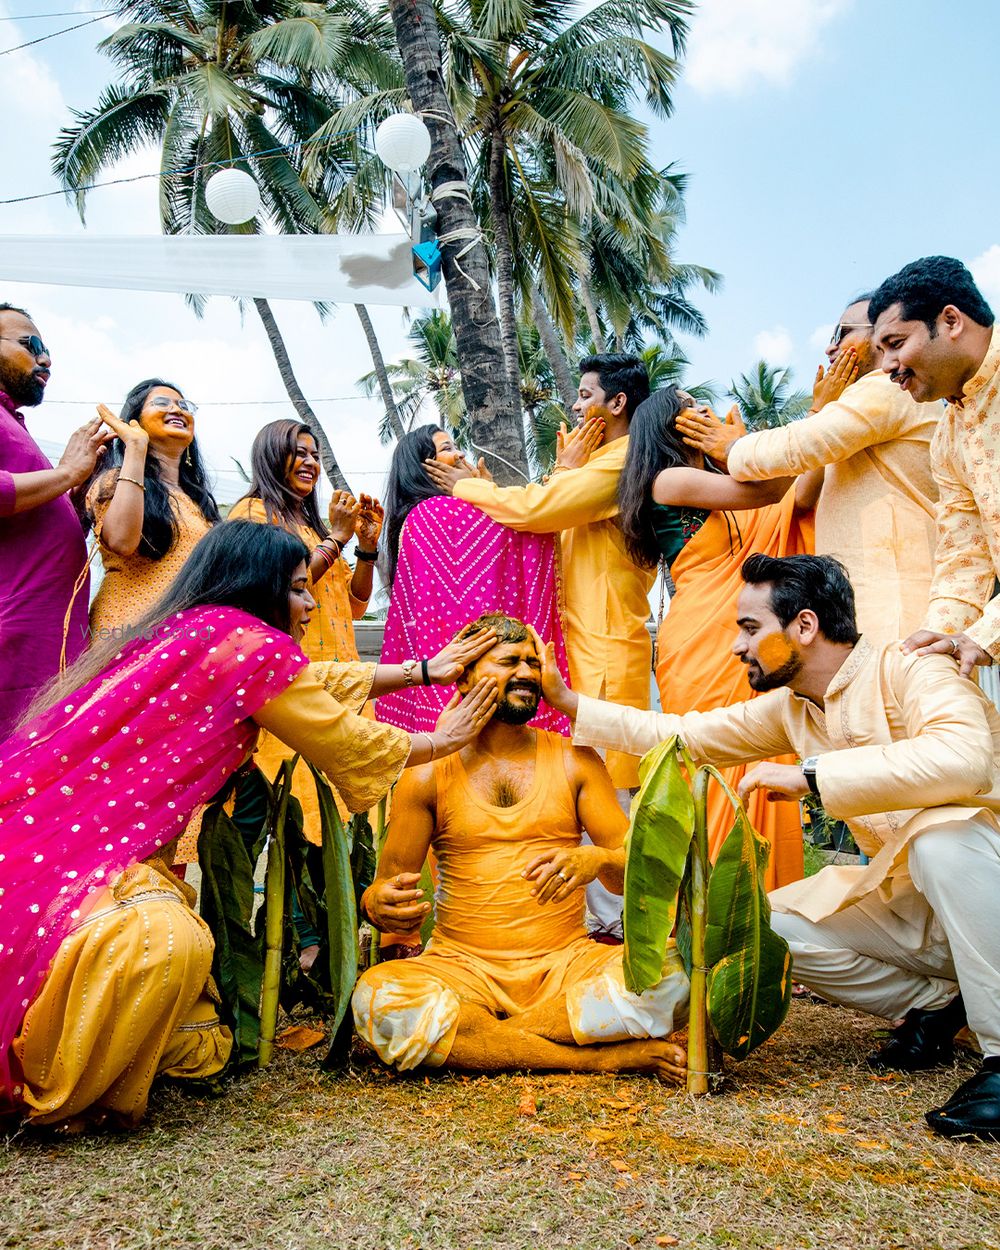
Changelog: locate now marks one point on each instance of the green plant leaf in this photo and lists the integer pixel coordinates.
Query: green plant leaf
(749, 980)
(658, 841)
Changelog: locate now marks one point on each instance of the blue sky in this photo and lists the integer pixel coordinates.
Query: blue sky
(827, 142)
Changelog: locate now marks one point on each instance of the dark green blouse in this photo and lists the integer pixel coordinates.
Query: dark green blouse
(675, 527)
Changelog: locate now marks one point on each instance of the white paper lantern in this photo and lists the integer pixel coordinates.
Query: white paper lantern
(232, 196)
(403, 142)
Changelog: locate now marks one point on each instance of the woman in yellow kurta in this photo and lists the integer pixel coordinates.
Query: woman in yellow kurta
(104, 983)
(149, 503)
(698, 522)
(285, 469)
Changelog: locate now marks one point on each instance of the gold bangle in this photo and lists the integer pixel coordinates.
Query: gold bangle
(132, 482)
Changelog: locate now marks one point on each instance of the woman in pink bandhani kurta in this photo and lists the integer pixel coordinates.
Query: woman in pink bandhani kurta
(104, 967)
(445, 564)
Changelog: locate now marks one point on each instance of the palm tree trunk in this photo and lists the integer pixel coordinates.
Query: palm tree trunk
(496, 425)
(503, 250)
(554, 351)
(587, 295)
(299, 401)
(392, 412)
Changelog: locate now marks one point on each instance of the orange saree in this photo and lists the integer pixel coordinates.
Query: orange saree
(696, 669)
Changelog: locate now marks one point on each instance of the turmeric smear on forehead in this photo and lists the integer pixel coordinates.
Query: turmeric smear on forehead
(775, 651)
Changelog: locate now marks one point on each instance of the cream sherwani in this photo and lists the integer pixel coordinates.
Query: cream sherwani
(606, 595)
(905, 748)
(965, 456)
(876, 513)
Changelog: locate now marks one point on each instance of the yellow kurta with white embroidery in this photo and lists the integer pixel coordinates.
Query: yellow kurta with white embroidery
(606, 595)
(876, 513)
(965, 456)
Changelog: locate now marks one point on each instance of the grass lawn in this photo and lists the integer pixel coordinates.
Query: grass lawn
(807, 1148)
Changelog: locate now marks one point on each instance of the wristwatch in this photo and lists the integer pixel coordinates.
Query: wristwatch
(409, 667)
(808, 767)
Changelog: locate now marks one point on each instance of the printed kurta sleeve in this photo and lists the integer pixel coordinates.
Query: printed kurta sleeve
(738, 734)
(946, 757)
(574, 497)
(863, 417)
(963, 566)
(99, 497)
(362, 758)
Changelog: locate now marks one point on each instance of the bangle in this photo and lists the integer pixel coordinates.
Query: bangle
(132, 482)
(430, 743)
(369, 557)
(425, 675)
(408, 666)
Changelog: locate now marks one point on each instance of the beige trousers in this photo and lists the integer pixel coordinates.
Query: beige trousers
(938, 933)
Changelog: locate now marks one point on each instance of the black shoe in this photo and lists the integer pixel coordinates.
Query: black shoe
(973, 1110)
(924, 1039)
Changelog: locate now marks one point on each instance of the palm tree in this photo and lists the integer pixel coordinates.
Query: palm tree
(431, 375)
(495, 420)
(544, 103)
(668, 368)
(216, 84)
(765, 397)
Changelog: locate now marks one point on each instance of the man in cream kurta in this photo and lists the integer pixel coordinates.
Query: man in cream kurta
(876, 510)
(940, 341)
(908, 754)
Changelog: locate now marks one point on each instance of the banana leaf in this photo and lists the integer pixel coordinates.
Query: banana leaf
(341, 918)
(273, 918)
(658, 842)
(228, 848)
(749, 980)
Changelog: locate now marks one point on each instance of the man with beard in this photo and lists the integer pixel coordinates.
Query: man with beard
(510, 979)
(43, 557)
(939, 340)
(907, 752)
(606, 593)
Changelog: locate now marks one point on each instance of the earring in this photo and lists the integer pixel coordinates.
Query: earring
(188, 460)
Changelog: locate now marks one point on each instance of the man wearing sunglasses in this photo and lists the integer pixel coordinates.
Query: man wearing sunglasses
(43, 557)
(876, 510)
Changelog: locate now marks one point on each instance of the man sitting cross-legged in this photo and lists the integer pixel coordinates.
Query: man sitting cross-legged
(510, 979)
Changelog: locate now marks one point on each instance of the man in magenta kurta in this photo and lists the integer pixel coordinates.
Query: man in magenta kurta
(42, 550)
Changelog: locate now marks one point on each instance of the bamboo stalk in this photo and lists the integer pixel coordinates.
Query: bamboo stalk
(698, 1049)
(274, 928)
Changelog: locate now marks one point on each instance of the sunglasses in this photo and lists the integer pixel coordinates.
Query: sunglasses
(162, 404)
(840, 333)
(31, 343)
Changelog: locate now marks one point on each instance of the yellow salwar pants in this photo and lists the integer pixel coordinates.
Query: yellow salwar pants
(128, 997)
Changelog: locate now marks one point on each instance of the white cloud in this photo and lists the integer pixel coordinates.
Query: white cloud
(821, 336)
(774, 345)
(735, 44)
(986, 271)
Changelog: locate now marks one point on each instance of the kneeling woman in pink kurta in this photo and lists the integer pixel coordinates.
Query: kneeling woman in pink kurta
(104, 967)
(446, 563)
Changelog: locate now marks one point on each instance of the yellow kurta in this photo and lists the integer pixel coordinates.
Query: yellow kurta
(877, 510)
(128, 997)
(132, 584)
(329, 636)
(903, 744)
(964, 456)
(330, 633)
(606, 595)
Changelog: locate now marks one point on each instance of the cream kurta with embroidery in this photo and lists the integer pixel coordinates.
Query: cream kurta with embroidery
(965, 456)
(903, 744)
(606, 595)
(877, 510)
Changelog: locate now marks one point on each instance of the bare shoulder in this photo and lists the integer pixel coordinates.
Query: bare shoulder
(416, 787)
(583, 764)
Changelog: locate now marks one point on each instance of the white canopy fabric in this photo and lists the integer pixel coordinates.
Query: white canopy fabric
(337, 268)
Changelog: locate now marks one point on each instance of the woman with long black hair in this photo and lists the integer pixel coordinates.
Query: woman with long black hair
(677, 510)
(446, 563)
(104, 966)
(149, 503)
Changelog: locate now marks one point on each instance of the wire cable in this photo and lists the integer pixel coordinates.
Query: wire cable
(52, 35)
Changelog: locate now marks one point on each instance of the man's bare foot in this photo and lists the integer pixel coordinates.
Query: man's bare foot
(666, 1060)
(307, 957)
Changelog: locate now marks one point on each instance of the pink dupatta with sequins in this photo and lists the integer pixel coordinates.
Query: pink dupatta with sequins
(455, 563)
(113, 772)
